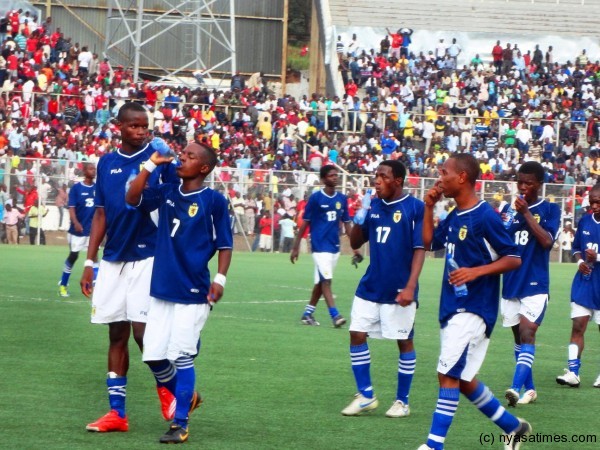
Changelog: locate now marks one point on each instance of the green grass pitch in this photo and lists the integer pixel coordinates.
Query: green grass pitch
(268, 381)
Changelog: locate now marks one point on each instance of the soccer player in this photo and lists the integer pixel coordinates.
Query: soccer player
(193, 224)
(323, 213)
(476, 241)
(122, 292)
(525, 290)
(81, 212)
(585, 300)
(385, 302)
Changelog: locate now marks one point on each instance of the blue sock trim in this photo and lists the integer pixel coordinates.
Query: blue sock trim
(333, 312)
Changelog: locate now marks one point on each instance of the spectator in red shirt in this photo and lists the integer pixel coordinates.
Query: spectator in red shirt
(266, 233)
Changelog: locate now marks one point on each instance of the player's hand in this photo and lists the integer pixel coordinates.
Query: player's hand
(433, 195)
(590, 255)
(214, 293)
(87, 280)
(584, 269)
(357, 259)
(406, 297)
(158, 159)
(521, 205)
(463, 275)
(294, 255)
(78, 227)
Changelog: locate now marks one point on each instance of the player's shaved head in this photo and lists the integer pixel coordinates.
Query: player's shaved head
(595, 189)
(209, 152)
(130, 107)
(465, 162)
(398, 169)
(533, 168)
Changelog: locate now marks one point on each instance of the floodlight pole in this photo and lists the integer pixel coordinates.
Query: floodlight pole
(138, 40)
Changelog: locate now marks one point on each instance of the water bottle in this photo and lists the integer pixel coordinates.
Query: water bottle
(132, 176)
(361, 214)
(509, 217)
(459, 291)
(589, 275)
(163, 148)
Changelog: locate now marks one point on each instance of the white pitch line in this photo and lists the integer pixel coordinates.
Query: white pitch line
(16, 298)
(245, 318)
(262, 302)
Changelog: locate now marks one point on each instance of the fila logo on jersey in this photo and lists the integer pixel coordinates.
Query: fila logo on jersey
(193, 209)
(113, 171)
(374, 216)
(170, 203)
(462, 233)
(587, 233)
(397, 216)
(324, 206)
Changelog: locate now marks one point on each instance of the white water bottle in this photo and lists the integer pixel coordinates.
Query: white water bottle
(361, 214)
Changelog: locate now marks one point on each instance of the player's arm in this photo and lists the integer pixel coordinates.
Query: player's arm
(431, 198)
(407, 295)
(136, 188)
(296, 246)
(357, 237)
(76, 224)
(215, 291)
(540, 234)
(468, 274)
(348, 229)
(97, 233)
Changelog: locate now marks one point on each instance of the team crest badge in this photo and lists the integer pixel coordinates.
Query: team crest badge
(338, 205)
(397, 216)
(462, 233)
(193, 209)
(537, 218)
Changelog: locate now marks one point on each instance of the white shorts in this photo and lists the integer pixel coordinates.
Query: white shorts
(582, 311)
(265, 241)
(464, 345)
(173, 329)
(77, 243)
(383, 320)
(532, 308)
(122, 291)
(324, 265)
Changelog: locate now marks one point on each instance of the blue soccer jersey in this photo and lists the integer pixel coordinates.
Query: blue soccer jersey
(81, 197)
(474, 237)
(130, 234)
(394, 231)
(191, 228)
(587, 292)
(533, 276)
(324, 214)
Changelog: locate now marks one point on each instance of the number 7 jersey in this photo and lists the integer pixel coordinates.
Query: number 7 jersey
(533, 276)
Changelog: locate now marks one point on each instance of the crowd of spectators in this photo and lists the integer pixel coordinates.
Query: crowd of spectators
(58, 99)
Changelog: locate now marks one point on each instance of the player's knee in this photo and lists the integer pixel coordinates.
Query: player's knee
(357, 338)
(72, 257)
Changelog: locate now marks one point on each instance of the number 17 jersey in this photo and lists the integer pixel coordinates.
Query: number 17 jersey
(394, 230)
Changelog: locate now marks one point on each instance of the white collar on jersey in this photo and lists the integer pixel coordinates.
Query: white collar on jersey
(401, 199)
(536, 204)
(133, 154)
(191, 193)
(481, 202)
(328, 196)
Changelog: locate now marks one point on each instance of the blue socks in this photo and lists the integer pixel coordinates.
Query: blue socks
(64, 279)
(309, 310)
(117, 390)
(360, 357)
(442, 417)
(523, 368)
(489, 405)
(186, 378)
(333, 312)
(406, 370)
(165, 375)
